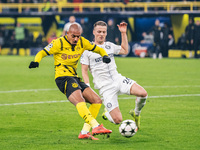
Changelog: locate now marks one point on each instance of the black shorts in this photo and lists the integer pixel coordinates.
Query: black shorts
(68, 85)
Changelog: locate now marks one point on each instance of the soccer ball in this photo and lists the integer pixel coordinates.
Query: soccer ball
(128, 128)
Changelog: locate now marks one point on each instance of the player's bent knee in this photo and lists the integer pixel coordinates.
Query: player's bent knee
(98, 100)
(144, 94)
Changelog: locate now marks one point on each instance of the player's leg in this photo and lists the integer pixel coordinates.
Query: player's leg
(138, 90)
(77, 99)
(130, 87)
(95, 101)
(141, 94)
(113, 116)
(72, 89)
(111, 111)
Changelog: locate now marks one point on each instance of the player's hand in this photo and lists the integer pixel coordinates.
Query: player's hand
(122, 27)
(106, 59)
(33, 64)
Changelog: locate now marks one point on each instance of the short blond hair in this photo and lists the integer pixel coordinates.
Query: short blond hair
(100, 23)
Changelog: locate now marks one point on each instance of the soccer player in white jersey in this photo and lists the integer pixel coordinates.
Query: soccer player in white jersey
(106, 78)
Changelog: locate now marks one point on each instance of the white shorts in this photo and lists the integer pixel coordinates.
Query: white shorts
(110, 92)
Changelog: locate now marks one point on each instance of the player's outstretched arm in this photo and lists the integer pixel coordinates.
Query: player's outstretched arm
(38, 58)
(85, 75)
(97, 49)
(124, 43)
(103, 53)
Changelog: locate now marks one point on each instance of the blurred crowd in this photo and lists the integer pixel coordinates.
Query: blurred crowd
(160, 36)
(48, 8)
(190, 39)
(93, 1)
(19, 37)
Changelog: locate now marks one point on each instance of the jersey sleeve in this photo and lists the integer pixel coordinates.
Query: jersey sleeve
(53, 47)
(40, 55)
(93, 47)
(116, 48)
(84, 58)
(48, 50)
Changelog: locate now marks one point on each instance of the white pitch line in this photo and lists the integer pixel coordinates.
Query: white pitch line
(61, 101)
(166, 96)
(27, 103)
(26, 90)
(175, 86)
(36, 90)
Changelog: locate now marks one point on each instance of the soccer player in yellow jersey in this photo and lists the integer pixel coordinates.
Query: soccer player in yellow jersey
(66, 51)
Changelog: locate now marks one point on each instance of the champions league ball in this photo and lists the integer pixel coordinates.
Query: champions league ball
(128, 128)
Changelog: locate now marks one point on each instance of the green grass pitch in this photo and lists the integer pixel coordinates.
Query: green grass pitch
(34, 114)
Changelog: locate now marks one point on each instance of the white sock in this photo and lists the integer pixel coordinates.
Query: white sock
(107, 114)
(84, 132)
(95, 126)
(139, 104)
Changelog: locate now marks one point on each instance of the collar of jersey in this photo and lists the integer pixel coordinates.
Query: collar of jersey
(67, 40)
(73, 46)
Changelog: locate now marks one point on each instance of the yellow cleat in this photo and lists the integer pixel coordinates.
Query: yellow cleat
(135, 118)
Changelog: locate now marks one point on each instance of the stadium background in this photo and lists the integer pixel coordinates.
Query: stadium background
(36, 116)
(44, 18)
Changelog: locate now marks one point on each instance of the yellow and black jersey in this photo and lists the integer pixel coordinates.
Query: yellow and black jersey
(66, 56)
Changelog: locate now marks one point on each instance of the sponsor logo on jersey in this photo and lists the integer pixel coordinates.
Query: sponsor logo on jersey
(74, 85)
(98, 59)
(65, 56)
(77, 48)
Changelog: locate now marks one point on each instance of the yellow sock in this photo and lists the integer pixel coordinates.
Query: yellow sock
(94, 109)
(86, 115)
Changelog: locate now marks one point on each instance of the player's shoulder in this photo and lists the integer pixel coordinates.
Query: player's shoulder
(108, 42)
(84, 39)
(85, 42)
(57, 41)
(109, 45)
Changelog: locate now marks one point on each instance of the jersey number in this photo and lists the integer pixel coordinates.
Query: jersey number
(127, 81)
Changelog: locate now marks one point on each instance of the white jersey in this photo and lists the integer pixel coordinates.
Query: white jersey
(103, 74)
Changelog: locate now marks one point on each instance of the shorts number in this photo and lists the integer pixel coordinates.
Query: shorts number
(127, 81)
